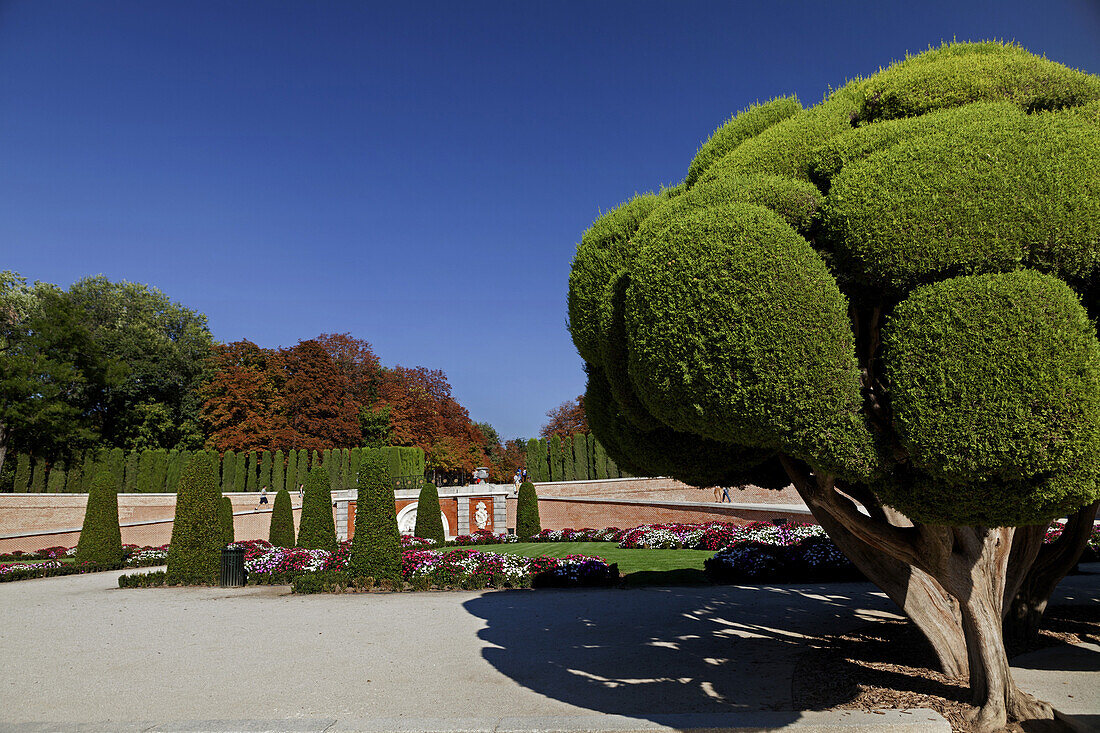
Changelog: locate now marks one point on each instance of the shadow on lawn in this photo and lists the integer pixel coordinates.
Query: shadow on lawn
(652, 652)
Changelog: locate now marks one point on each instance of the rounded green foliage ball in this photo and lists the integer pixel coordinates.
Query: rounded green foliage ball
(376, 546)
(429, 517)
(100, 537)
(995, 388)
(774, 366)
(527, 512)
(317, 527)
(742, 126)
(195, 552)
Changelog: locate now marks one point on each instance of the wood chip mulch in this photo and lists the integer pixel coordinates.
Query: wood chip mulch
(888, 665)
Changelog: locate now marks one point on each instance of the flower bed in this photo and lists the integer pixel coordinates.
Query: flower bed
(50, 569)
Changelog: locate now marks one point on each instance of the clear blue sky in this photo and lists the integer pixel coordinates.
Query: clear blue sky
(417, 174)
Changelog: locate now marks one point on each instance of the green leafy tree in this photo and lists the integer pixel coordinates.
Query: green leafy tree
(225, 520)
(317, 527)
(527, 512)
(429, 518)
(195, 551)
(888, 300)
(376, 546)
(100, 536)
(281, 531)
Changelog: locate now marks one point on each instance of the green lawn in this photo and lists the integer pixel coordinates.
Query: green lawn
(640, 567)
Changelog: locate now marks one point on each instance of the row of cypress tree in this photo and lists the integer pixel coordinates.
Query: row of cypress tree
(159, 471)
(577, 457)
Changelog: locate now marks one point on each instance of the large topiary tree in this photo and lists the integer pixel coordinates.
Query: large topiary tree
(316, 527)
(281, 530)
(528, 523)
(100, 536)
(429, 518)
(197, 535)
(376, 546)
(225, 520)
(887, 300)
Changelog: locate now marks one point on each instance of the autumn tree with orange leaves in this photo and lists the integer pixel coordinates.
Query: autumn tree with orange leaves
(566, 419)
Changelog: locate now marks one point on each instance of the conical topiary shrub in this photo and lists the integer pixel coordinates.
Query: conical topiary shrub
(225, 519)
(429, 520)
(376, 546)
(195, 552)
(100, 538)
(527, 512)
(281, 533)
(317, 529)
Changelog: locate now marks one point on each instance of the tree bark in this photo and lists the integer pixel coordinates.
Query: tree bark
(1053, 562)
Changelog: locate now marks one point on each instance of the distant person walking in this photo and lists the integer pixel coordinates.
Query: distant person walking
(517, 479)
(301, 490)
(263, 495)
(726, 494)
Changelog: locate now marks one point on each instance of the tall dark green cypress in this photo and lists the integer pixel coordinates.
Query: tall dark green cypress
(556, 458)
(601, 461)
(130, 481)
(172, 475)
(225, 520)
(22, 474)
(251, 473)
(317, 528)
(265, 470)
(88, 470)
(533, 459)
(376, 546)
(38, 478)
(281, 531)
(354, 462)
(116, 465)
(229, 471)
(568, 472)
(74, 480)
(429, 518)
(527, 512)
(332, 462)
(100, 536)
(195, 551)
(183, 460)
(160, 471)
(593, 471)
(346, 479)
(291, 470)
(144, 483)
(316, 460)
(303, 466)
(278, 471)
(240, 473)
(544, 447)
(55, 484)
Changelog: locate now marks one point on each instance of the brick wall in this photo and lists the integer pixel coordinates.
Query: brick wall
(664, 489)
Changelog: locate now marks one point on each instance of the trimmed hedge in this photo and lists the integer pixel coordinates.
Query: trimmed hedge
(742, 126)
(994, 387)
(527, 511)
(376, 546)
(100, 536)
(429, 517)
(22, 473)
(194, 553)
(225, 520)
(281, 531)
(316, 527)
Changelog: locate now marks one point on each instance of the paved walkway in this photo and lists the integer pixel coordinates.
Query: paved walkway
(77, 650)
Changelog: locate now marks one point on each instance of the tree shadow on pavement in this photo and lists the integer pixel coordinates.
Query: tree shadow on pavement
(651, 652)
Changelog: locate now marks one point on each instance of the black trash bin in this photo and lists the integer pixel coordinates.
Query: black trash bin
(233, 572)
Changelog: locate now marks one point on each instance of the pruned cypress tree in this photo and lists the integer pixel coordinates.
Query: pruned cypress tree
(316, 459)
(251, 473)
(429, 518)
(183, 460)
(527, 512)
(317, 528)
(544, 466)
(116, 465)
(195, 551)
(38, 478)
(601, 461)
(376, 546)
(240, 472)
(354, 462)
(229, 471)
(278, 472)
(22, 474)
(160, 471)
(568, 472)
(332, 462)
(281, 531)
(100, 536)
(303, 466)
(55, 484)
(88, 471)
(225, 519)
(145, 472)
(593, 471)
(74, 480)
(556, 458)
(346, 479)
(130, 480)
(172, 474)
(265, 470)
(533, 459)
(291, 470)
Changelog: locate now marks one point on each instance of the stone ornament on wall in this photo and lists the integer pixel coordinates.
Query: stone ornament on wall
(481, 516)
